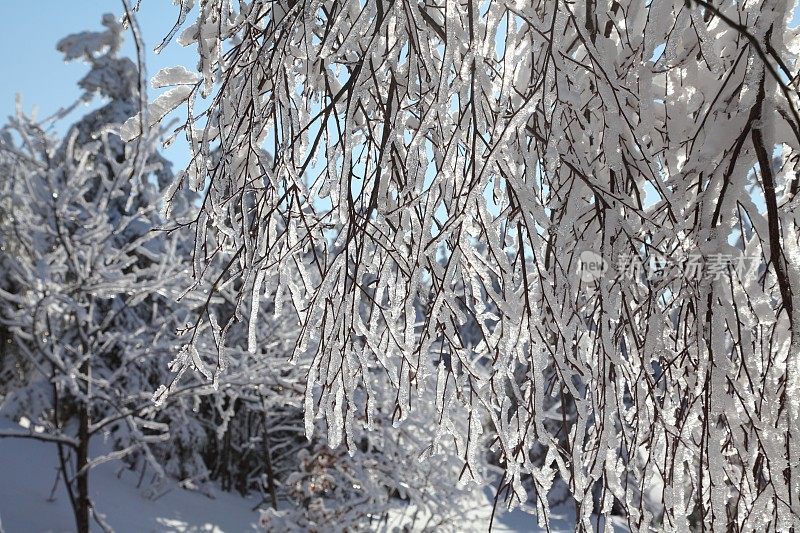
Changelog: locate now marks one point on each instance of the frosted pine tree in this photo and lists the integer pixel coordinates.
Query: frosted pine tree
(89, 289)
(394, 171)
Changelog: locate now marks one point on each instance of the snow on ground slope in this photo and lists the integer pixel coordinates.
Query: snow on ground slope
(28, 472)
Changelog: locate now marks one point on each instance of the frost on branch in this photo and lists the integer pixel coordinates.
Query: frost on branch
(173, 76)
(419, 181)
(156, 110)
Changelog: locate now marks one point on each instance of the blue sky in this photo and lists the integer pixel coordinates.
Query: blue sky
(32, 67)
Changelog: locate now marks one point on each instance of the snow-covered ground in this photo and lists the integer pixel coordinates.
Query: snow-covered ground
(28, 472)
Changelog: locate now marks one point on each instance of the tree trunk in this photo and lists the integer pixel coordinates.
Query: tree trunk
(82, 461)
(268, 456)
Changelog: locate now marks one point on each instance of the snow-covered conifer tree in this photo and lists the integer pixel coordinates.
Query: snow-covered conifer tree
(88, 289)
